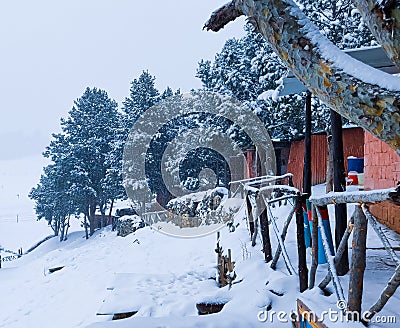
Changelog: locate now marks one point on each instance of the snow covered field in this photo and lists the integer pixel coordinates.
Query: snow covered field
(18, 225)
(163, 278)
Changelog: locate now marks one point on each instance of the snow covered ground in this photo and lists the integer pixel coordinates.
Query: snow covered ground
(163, 278)
(19, 227)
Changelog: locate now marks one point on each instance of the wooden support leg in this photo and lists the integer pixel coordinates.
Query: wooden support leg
(284, 233)
(314, 238)
(358, 261)
(285, 255)
(339, 253)
(250, 216)
(388, 292)
(329, 257)
(301, 245)
(385, 242)
(265, 236)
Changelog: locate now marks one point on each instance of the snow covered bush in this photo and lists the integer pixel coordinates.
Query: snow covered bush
(129, 224)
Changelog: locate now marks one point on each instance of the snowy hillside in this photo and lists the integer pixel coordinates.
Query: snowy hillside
(163, 278)
(18, 225)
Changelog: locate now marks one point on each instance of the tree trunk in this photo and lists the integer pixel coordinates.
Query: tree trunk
(110, 214)
(92, 212)
(56, 228)
(103, 219)
(339, 185)
(327, 72)
(358, 262)
(383, 19)
(85, 223)
(67, 228)
(62, 229)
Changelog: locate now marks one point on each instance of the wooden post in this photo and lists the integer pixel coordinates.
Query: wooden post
(339, 185)
(250, 216)
(307, 151)
(301, 245)
(314, 237)
(358, 260)
(265, 236)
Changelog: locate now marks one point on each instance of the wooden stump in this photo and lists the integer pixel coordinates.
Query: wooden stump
(209, 308)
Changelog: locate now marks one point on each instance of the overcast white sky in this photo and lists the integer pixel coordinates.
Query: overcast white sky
(52, 50)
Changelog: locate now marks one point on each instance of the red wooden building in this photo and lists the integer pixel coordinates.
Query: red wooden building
(353, 145)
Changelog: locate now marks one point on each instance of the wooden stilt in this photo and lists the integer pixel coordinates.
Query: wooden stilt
(331, 266)
(387, 293)
(314, 237)
(285, 255)
(284, 233)
(301, 245)
(339, 253)
(267, 249)
(358, 262)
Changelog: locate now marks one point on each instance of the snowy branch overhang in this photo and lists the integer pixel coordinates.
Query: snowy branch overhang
(373, 56)
(366, 96)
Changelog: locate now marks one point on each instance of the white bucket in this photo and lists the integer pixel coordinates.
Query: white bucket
(360, 177)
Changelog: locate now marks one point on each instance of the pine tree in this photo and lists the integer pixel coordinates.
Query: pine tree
(86, 157)
(143, 95)
(244, 70)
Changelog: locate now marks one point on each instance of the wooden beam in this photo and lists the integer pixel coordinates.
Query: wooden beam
(351, 197)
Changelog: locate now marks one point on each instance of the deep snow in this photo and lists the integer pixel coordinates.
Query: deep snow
(163, 277)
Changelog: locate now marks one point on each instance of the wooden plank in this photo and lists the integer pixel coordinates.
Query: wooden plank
(351, 197)
(308, 315)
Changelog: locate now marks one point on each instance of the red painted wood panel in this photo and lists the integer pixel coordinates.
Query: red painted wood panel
(353, 145)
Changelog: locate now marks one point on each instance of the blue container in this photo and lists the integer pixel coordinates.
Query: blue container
(307, 232)
(355, 165)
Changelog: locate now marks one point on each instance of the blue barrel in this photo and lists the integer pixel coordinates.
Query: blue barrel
(355, 165)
